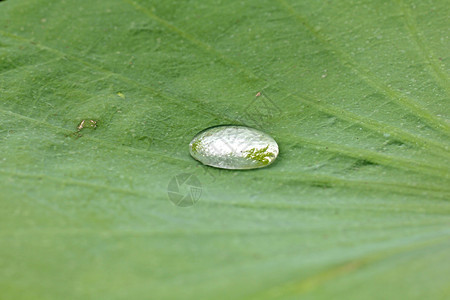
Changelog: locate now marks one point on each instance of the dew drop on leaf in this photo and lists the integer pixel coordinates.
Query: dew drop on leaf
(234, 147)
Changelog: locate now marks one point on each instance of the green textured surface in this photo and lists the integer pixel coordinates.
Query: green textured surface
(355, 207)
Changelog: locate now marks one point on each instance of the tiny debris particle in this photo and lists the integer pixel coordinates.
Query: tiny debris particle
(81, 125)
(93, 123)
(87, 124)
(121, 95)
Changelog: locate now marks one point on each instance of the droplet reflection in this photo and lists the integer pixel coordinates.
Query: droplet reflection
(234, 147)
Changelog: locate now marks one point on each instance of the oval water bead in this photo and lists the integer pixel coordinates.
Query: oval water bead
(234, 147)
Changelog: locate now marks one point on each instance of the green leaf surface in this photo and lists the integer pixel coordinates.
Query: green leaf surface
(355, 93)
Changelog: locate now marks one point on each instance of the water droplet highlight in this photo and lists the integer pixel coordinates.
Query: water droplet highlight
(234, 147)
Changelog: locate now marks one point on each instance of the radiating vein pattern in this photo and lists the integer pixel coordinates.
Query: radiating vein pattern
(99, 101)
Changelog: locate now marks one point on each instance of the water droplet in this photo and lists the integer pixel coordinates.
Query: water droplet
(234, 147)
